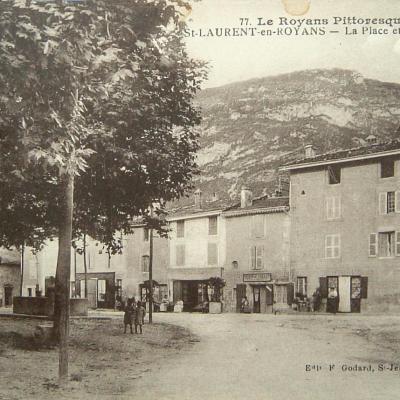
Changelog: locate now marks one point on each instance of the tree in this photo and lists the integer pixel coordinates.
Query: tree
(96, 110)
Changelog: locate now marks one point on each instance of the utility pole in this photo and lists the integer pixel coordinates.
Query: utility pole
(151, 271)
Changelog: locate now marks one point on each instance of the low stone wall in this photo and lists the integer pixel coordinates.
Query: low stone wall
(78, 307)
(45, 306)
(32, 306)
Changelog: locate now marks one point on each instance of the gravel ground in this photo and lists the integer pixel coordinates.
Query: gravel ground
(104, 362)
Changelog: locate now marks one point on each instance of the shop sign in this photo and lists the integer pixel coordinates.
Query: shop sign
(257, 277)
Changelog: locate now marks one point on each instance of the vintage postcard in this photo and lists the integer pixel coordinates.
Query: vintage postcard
(200, 199)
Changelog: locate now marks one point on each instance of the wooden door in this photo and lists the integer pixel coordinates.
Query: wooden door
(240, 294)
(256, 299)
(281, 294)
(92, 293)
(8, 295)
(344, 294)
(177, 291)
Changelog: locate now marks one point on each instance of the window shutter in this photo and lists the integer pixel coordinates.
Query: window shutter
(372, 245)
(252, 257)
(338, 207)
(323, 286)
(382, 203)
(329, 207)
(260, 257)
(398, 243)
(397, 202)
(364, 287)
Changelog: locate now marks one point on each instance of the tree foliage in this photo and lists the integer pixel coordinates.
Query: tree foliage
(102, 90)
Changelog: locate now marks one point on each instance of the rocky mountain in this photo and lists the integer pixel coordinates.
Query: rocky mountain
(249, 128)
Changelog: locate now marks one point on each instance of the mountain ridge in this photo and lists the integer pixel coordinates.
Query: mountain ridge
(249, 126)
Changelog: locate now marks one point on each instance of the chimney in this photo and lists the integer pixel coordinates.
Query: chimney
(371, 139)
(309, 150)
(246, 197)
(198, 201)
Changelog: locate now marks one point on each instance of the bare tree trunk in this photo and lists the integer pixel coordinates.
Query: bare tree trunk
(61, 315)
(84, 263)
(22, 268)
(151, 278)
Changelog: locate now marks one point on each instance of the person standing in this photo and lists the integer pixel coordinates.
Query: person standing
(129, 315)
(333, 300)
(244, 307)
(139, 317)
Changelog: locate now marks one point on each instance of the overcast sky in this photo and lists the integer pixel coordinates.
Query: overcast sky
(237, 59)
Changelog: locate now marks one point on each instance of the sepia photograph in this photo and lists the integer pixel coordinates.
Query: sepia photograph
(199, 199)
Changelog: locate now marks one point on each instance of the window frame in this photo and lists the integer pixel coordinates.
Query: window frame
(383, 168)
(209, 254)
(332, 171)
(391, 246)
(180, 229)
(213, 228)
(383, 203)
(255, 220)
(255, 257)
(183, 255)
(331, 248)
(333, 208)
(145, 264)
(304, 285)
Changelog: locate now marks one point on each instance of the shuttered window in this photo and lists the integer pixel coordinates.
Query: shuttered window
(180, 229)
(180, 255)
(213, 225)
(332, 246)
(389, 202)
(145, 263)
(333, 207)
(373, 249)
(397, 243)
(258, 226)
(212, 254)
(257, 257)
(386, 244)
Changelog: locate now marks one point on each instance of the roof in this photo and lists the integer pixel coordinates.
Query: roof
(260, 205)
(192, 211)
(371, 151)
(9, 257)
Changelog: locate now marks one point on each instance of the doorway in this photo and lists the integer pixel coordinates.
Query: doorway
(240, 294)
(8, 295)
(256, 299)
(344, 294)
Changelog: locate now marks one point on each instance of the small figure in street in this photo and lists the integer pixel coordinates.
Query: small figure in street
(316, 300)
(244, 306)
(333, 300)
(129, 315)
(139, 317)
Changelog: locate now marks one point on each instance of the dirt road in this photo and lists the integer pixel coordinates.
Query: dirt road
(266, 357)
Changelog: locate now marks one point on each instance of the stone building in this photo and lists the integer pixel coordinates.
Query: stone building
(257, 253)
(108, 278)
(197, 244)
(345, 225)
(246, 244)
(10, 276)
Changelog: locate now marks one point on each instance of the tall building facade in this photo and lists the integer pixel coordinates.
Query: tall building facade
(345, 223)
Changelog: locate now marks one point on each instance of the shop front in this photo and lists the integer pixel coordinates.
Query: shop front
(160, 293)
(259, 290)
(350, 290)
(195, 294)
(101, 289)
